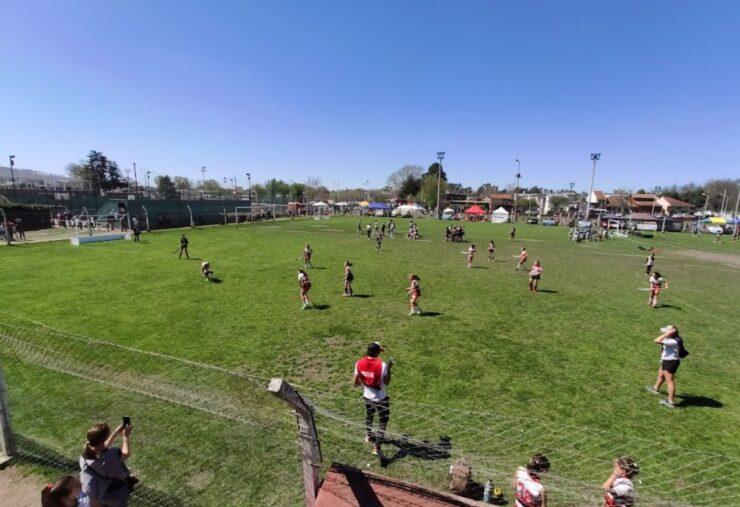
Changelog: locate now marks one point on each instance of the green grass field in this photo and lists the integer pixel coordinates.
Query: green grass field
(567, 366)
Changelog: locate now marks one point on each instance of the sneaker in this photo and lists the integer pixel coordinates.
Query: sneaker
(376, 451)
(651, 389)
(304, 306)
(412, 312)
(667, 404)
(368, 439)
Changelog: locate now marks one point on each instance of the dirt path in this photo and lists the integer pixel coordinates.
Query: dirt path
(726, 259)
(19, 491)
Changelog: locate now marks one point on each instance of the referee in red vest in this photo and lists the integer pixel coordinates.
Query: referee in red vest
(374, 375)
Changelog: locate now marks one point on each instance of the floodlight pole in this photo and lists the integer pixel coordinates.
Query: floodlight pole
(594, 157)
(12, 176)
(440, 157)
(249, 185)
(148, 188)
(516, 190)
(136, 183)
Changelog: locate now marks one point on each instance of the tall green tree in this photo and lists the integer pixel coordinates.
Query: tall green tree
(211, 186)
(409, 187)
(183, 183)
(165, 187)
(434, 170)
(429, 189)
(397, 178)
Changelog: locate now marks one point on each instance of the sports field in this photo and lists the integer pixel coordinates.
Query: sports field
(501, 371)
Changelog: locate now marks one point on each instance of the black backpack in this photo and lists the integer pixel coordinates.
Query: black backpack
(682, 352)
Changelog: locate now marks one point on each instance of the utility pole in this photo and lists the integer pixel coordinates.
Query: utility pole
(249, 185)
(136, 183)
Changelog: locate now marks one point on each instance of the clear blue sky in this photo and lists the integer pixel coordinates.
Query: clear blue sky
(350, 90)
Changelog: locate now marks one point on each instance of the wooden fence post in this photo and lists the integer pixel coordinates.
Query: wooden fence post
(310, 450)
(7, 444)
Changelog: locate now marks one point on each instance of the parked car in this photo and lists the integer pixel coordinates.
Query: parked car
(715, 229)
(533, 220)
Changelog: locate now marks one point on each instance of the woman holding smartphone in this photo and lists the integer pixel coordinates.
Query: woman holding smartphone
(104, 475)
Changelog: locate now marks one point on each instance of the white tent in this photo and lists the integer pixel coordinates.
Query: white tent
(408, 210)
(448, 210)
(320, 204)
(500, 216)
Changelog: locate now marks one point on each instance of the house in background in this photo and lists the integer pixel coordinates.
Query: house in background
(501, 200)
(598, 199)
(643, 203)
(672, 206)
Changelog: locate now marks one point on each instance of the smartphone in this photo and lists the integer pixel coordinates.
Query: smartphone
(126, 421)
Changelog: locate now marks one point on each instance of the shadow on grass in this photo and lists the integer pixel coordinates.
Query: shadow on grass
(317, 267)
(429, 314)
(674, 307)
(481, 267)
(548, 291)
(362, 296)
(689, 400)
(215, 279)
(424, 449)
(319, 307)
(31, 452)
(194, 259)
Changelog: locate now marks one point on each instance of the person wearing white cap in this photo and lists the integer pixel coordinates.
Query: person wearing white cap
(670, 359)
(373, 375)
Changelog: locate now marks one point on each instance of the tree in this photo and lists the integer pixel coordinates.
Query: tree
(558, 203)
(396, 179)
(429, 189)
(211, 186)
(535, 190)
(409, 187)
(434, 169)
(165, 187)
(296, 191)
(486, 189)
(259, 191)
(80, 172)
(183, 183)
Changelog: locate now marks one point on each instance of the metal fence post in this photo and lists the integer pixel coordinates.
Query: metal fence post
(7, 443)
(310, 450)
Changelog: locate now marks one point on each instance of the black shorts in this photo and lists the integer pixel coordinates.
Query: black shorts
(670, 365)
(535, 277)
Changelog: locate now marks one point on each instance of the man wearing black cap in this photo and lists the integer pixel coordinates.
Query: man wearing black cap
(374, 374)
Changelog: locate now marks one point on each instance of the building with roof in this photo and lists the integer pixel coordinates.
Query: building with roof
(671, 205)
(643, 203)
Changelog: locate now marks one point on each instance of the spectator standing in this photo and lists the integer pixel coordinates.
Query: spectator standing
(671, 353)
(512, 234)
(184, 247)
(20, 230)
(137, 232)
(373, 374)
(618, 488)
(104, 475)
(528, 487)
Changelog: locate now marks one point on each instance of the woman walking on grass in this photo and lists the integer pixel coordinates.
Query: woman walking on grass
(471, 255)
(534, 276)
(414, 290)
(491, 251)
(348, 277)
(305, 285)
(657, 283)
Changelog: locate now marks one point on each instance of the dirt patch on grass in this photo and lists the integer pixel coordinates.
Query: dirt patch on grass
(19, 491)
(726, 259)
(200, 480)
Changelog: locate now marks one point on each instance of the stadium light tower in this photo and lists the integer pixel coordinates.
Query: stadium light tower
(440, 157)
(12, 163)
(148, 188)
(249, 184)
(516, 190)
(594, 158)
(203, 179)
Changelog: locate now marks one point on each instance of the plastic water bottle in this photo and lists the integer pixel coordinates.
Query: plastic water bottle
(487, 491)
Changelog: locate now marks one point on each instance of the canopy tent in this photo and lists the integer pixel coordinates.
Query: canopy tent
(409, 210)
(341, 204)
(448, 210)
(475, 210)
(500, 216)
(379, 205)
(715, 220)
(319, 204)
(364, 204)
